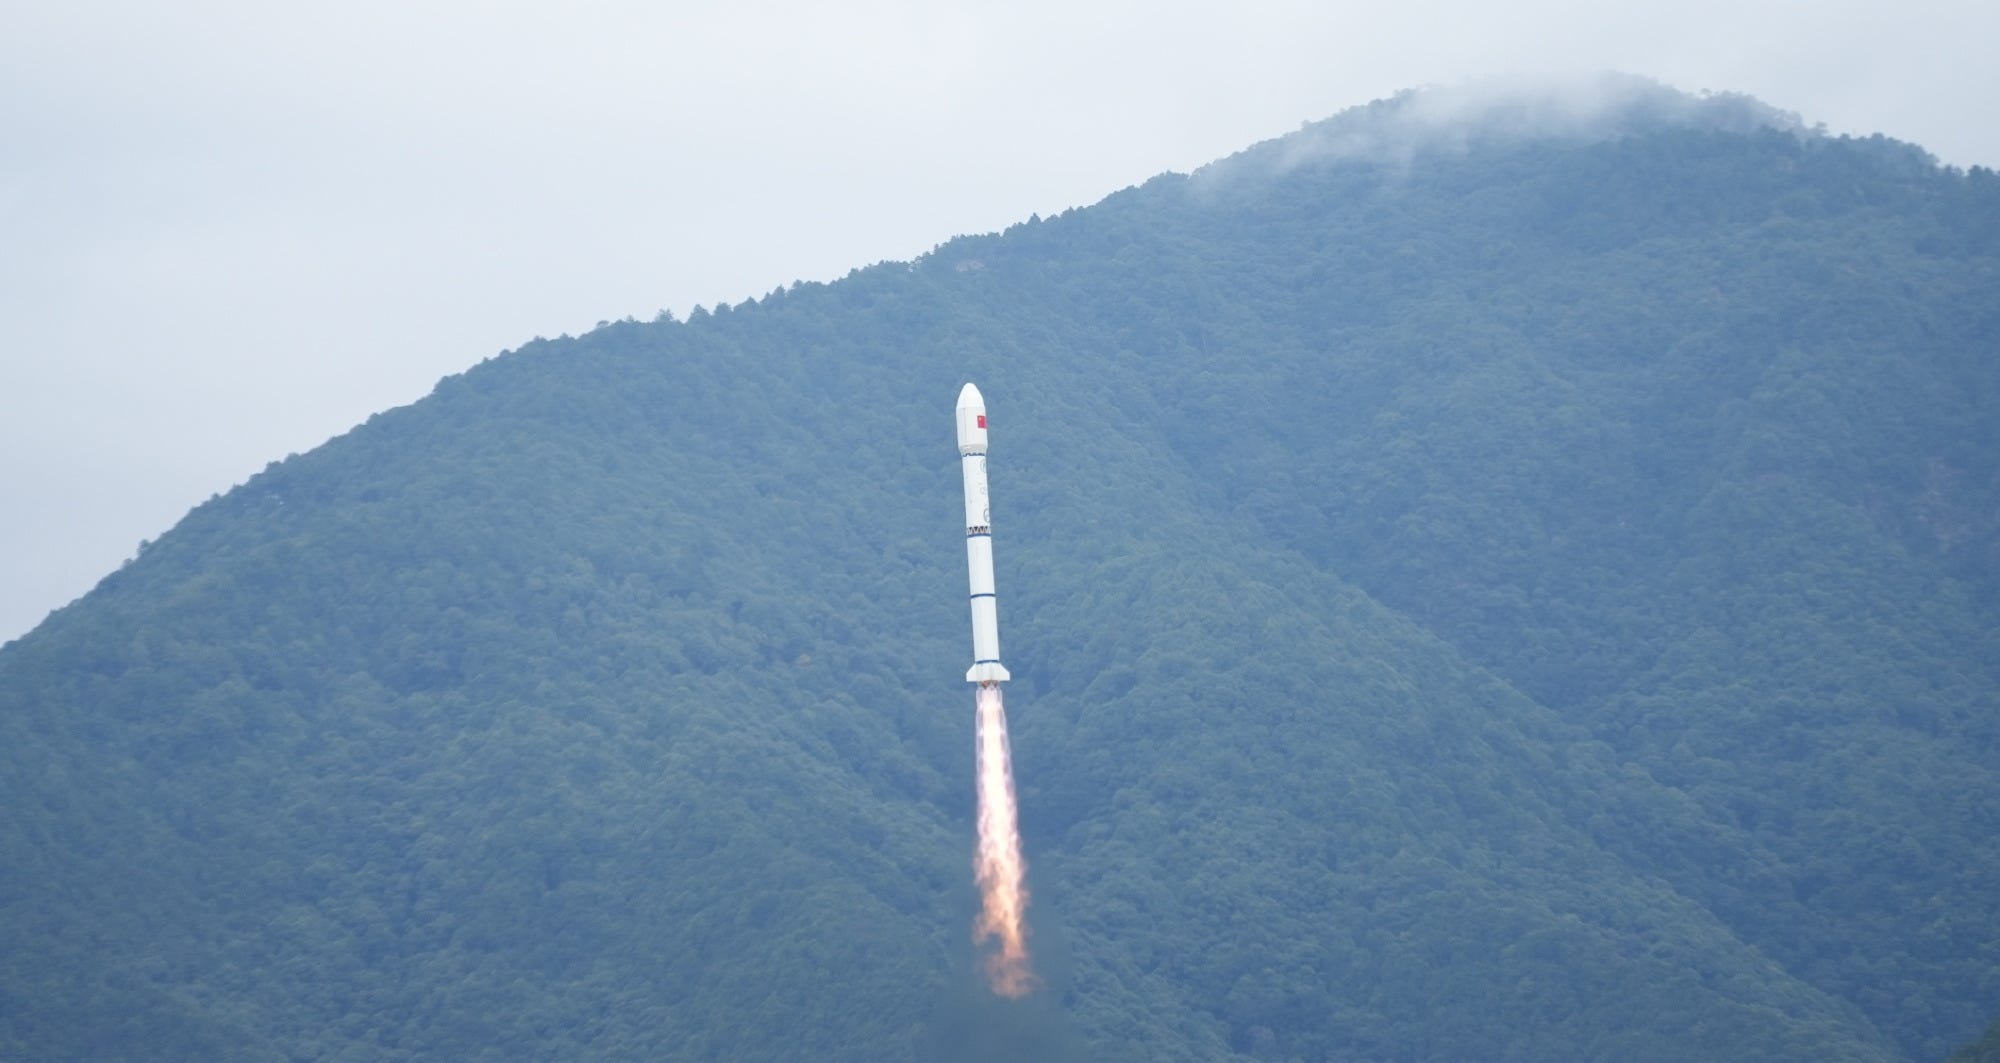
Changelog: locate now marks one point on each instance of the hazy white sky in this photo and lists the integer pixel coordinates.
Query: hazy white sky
(232, 230)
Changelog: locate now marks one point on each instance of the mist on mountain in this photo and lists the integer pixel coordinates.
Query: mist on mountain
(1503, 574)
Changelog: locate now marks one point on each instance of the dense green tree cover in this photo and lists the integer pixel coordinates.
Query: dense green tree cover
(1477, 587)
(1985, 1050)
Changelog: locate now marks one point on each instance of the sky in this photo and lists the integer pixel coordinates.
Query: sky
(230, 231)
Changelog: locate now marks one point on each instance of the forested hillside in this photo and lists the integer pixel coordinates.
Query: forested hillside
(1484, 579)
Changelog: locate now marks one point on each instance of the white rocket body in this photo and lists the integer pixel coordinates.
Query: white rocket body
(986, 667)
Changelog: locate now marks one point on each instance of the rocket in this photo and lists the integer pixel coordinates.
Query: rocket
(986, 668)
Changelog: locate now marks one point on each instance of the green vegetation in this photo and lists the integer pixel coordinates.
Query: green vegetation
(1986, 1050)
(1509, 597)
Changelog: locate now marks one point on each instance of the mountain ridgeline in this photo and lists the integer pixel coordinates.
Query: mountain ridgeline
(1485, 578)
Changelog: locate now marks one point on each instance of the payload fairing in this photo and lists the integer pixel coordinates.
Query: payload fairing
(986, 668)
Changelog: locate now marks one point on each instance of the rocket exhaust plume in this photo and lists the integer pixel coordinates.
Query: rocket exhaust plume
(998, 866)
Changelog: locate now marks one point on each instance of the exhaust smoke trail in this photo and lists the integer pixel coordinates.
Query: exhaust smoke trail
(998, 867)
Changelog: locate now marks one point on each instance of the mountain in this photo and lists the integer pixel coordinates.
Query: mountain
(1495, 574)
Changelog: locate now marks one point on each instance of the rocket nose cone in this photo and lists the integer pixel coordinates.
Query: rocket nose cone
(971, 421)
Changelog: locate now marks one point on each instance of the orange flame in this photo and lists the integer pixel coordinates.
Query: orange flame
(998, 866)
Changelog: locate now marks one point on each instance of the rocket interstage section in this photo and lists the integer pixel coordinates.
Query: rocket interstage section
(986, 667)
